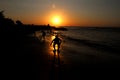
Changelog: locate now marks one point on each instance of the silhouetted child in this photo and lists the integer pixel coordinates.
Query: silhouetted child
(56, 41)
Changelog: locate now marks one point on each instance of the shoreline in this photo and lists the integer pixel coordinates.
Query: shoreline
(31, 59)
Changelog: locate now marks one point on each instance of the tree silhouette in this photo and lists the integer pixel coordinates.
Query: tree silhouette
(6, 23)
(19, 23)
(2, 18)
(2, 15)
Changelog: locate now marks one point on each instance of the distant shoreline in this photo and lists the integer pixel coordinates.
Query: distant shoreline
(93, 26)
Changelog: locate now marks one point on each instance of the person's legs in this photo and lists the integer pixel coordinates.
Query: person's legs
(58, 46)
(54, 46)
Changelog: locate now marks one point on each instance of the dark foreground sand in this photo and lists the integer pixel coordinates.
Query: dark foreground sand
(32, 59)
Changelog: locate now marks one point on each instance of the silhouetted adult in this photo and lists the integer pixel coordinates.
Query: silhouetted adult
(56, 41)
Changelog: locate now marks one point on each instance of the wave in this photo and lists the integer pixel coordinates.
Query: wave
(93, 44)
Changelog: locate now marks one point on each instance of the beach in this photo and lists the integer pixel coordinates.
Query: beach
(87, 34)
(33, 58)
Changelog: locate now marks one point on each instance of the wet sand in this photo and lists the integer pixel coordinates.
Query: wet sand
(32, 59)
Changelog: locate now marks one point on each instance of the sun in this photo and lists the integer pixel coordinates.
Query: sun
(56, 20)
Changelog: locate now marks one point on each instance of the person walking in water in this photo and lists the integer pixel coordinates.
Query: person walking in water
(43, 35)
(56, 41)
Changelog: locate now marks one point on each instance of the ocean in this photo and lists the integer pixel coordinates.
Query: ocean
(99, 37)
(89, 44)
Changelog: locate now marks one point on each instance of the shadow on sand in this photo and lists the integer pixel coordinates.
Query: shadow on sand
(55, 72)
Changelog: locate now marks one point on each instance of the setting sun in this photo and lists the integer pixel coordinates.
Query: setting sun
(56, 20)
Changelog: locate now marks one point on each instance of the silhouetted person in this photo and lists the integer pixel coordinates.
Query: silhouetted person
(49, 28)
(56, 41)
(43, 35)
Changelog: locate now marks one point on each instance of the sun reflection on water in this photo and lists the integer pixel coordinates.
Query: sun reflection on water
(52, 51)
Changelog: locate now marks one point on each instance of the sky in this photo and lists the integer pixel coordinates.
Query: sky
(70, 12)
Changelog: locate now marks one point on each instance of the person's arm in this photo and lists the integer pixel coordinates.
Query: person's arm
(60, 41)
(51, 42)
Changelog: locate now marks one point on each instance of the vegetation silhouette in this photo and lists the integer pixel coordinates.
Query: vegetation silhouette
(7, 25)
(15, 52)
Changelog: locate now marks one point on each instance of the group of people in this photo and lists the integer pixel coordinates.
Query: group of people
(56, 41)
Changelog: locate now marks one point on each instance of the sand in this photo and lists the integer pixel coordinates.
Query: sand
(28, 58)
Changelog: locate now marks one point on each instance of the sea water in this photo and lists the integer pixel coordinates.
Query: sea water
(93, 36)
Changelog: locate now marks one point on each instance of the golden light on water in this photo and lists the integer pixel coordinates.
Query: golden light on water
(56, 47)
(51, 47)
(52, 37)
(55, 55)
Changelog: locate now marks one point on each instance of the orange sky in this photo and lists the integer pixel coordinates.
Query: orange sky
(71, 12)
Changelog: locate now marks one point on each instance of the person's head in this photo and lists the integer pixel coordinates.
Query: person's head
(56, 36)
